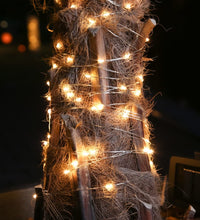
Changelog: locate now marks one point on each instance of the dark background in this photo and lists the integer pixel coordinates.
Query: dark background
(173, 80)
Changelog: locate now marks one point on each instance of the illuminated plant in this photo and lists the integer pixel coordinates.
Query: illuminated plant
(97, 152)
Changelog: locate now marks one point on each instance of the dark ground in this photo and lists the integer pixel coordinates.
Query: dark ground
(173, 73)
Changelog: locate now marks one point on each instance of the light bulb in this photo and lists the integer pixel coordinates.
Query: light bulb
(91, 22)
(98, 107)
(101, 60)
(70, 95)
(140, 77)
(147, 39)
(126, 56)
(70, 59)
(105, 14)
(48, 83)
(87, 75)
(35, 196)
(48, 136)
(49, 111)
(54, 66)
(123, 88)
(66, 88)
(125, 113)
(78, 99)
(75, 164)
(128, 6)
(66, 172)
(74, 6)
(109, 187)
(59, 45)
(137, 92)
(48, 97)
(148, 150)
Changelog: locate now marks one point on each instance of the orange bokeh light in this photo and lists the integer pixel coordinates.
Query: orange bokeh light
(6, 38)
(21, 48)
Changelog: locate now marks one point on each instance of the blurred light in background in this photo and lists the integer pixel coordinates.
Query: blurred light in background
(6, 38)
(33, 33)
(21, 48)
(4, 24)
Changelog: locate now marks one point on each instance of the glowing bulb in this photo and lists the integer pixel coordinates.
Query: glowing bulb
(87, 75)
(147, 39)
(126, 56)
(105, 14)
(109, 187)
(92, 152)
(74, 164)
(66, 88)
(78, 99)
(91, 22)
(140, 77)
(70, 95)
(48, 97)
(85, 153)
(45, 143)
(74, 6)
(59, 45)
(54, 66)
(137, 92)
(48, 136)
(128, 6)
(151, 163)
(101, 60)
(123, 88)
(98, 107)
(35, 196)
(148, 150)
(70, 59)
(126, 113)
(66, 172)
(48, 83)
(49, 111)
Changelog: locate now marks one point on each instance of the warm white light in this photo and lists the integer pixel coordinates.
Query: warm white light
(48, 83)
(92, 152)
(70, 59)
(70, 95)
(45, 143)
(101, 60)
(48, 136)
(140, 77)
(105, 14)
(66, 172)
(147, 39)
(151, 163)
(98, 107)
(123, 88)
(85, 153)
(66, 88)
(54, 66)
(128, 6)
(109, 187)
(78, 99)
(74, 164)
(148, 150)
(59, 45)
(126, 56)
(125, 113)
(35, 196)
(74, 6)
(87, 75)
(91, 22)
(48, 97)
(137, 92)
(49, 111)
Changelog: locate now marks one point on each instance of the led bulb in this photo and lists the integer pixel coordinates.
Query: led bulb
(70, 59)
(87, 75)
(66, 88)
(147, 39)
(74, 6)
(48, 83)
(75, 164)
(101, 60)
(98, 107)
(125, 113)
(49, 111)
(126, 56)
(70, 95)
(128, 6)
(148, 150)
(140, 77)
(105, 14)
(78, 99)
(137, 92)
(66, 172)
(91, 22)
(123, 88)
(109, 187)
(54, 66)
(35, 196)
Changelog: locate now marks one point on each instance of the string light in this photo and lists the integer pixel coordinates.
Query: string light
(100, 60)
(66, 172)
(128, 6)
(48, 83)
(97, 107)
(66, 88)
(91, 22)
(137, 92)
(147, 39)
(48, 136)
(126, 56)
(140, 77)
(70, 59)
(49, 111)
(105, 13)
(109, 187)
(74, 6)
(35, 196)
(123, 88)
(125, 113)
(54, 66)
(48, 97)
(59, 45)
(87, 75)
(148, 150)
(75, 164)
(78, 99)
(70, 95)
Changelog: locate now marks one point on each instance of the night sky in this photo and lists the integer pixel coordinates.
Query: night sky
(172, 79)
